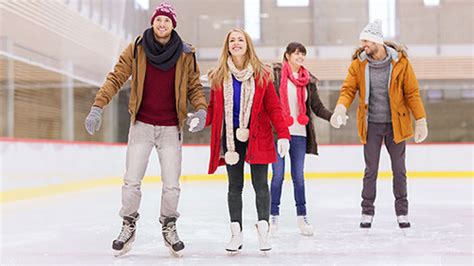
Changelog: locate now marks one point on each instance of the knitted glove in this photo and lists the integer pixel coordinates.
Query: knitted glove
(94, 120)
(196, 121)
(283, 146)
(421, 130)
(339, 116)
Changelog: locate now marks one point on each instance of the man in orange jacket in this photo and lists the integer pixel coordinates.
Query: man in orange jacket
(388, 92)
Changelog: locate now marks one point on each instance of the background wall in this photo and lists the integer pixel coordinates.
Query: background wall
(32, 168)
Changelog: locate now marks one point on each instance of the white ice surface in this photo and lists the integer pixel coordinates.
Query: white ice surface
(78, 228)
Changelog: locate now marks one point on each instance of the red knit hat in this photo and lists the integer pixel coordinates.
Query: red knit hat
(164, 9)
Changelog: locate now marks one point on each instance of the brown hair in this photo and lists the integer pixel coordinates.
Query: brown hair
(293, 47)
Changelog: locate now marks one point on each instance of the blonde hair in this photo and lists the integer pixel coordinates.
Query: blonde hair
(218, 74)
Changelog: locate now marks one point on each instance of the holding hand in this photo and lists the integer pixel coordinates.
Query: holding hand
(339, 116)
(93, 120)
(197, 120)
(283, 146)
(421, 130)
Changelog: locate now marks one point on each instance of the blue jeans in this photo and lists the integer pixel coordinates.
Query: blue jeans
(297, 155)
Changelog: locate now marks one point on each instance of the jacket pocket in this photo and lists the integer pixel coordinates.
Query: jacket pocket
(361, 123)
(406, 129)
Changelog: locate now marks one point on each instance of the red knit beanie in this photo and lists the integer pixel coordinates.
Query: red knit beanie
(165, 9)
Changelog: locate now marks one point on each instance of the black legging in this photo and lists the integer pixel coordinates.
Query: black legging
(259, 174)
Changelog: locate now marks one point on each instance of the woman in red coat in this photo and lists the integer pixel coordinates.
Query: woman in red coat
(243, 107)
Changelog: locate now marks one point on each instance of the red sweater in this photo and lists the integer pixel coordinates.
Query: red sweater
(158, 106)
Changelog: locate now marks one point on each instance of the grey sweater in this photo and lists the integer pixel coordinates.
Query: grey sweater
(379, 103)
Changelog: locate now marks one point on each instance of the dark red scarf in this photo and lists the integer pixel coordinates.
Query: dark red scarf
(300, 82)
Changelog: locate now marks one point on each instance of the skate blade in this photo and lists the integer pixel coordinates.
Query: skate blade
(125, 250)
(265, 252)
(233, 252)
(176, 254)
(406, 232)
(306, 233)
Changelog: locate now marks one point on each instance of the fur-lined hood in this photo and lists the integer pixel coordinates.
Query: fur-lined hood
(398, 50)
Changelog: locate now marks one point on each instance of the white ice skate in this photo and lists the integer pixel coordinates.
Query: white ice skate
(366, 221)
(235, 244)
(124, 241)
(263, 231)
(273, 225)
(305, 227)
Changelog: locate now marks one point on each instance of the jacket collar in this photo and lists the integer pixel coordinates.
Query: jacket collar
(395, 57)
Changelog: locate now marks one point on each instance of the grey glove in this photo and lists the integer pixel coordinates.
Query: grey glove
(197, 121)
(94, 120)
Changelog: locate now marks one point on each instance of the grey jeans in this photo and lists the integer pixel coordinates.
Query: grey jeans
(377, 134)
(142, 138)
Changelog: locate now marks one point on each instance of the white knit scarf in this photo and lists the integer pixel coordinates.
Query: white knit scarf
(247, 92)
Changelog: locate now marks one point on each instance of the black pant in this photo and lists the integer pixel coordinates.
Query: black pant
(259, 174)
(377, 134)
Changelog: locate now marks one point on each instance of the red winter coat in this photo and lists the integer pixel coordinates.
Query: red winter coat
(266, 108)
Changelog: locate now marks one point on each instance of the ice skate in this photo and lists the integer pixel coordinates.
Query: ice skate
(263, 233)
(273, 225)
(403, 222)
(124, 241)
(171, 238)
(235, 244)
(305, 227)
(366, 221)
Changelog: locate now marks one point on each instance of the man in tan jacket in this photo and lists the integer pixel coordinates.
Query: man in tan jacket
(164, 76)
(388, 92)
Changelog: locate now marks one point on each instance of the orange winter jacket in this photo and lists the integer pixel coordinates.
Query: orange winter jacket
(403, 92)
(133, 62)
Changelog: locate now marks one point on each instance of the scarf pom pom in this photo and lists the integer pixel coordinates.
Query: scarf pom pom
(242, 134)
(289, 121)
(303, 119)
(231, 157)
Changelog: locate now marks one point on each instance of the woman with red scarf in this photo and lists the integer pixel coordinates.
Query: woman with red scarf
(299, 96)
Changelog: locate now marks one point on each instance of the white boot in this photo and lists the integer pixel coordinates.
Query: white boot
(305, 227)
(263, 231)
(273, 225)
(235, 243)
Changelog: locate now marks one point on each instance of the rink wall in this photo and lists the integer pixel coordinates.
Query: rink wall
(31, 168)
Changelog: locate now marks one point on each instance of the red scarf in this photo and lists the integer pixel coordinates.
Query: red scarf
(300, 83)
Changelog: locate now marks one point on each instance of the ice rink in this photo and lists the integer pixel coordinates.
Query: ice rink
(77, 228)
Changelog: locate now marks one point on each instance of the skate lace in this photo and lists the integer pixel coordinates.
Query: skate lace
(126, 233)
(402, 219)
(305, 221)
(171, 234)
(274, 220)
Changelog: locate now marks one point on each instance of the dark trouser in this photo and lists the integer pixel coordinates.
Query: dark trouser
(259, 174)
(297, 154)
(376, 134)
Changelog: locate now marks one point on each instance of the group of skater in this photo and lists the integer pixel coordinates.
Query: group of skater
(259, 114)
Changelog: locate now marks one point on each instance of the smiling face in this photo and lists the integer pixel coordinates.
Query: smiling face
(237, 44)
(296, 59)
(369, 47)
(162, 27)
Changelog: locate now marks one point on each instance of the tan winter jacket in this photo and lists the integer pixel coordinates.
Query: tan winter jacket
(187, 84)
(403, 92)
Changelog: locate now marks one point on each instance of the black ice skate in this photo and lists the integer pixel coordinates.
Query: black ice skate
(403, 222)
(366, 221)
(171, 238)
(124, 241)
